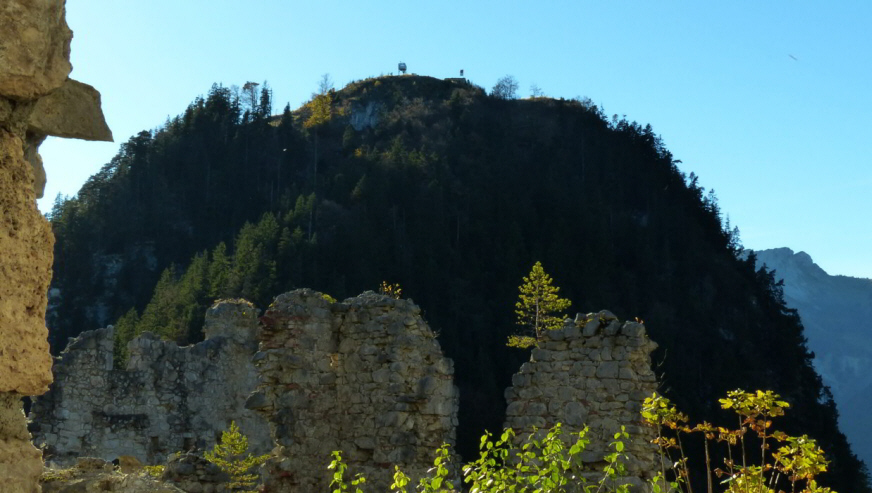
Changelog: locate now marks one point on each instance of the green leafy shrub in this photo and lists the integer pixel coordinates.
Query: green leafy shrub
(392, 290)
(338, 483)
(549, 461)
(544, 461)
(795, 462)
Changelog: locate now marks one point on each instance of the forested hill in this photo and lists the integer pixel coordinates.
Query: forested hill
(453, 194)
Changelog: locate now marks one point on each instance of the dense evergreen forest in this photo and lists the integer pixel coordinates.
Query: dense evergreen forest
(453, 194)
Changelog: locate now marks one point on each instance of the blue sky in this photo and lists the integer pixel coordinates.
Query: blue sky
(768, 102)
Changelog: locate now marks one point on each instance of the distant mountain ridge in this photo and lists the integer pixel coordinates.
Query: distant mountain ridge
(837, 314)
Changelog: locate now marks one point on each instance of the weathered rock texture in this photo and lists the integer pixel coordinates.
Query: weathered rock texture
(34, 62)
(34, 49)
(71, 111)
(596, 371)
(365, 376)
(167, 399)
(25, 266)
(20, 462)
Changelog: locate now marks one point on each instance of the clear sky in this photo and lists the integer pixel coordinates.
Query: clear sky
(768, 102)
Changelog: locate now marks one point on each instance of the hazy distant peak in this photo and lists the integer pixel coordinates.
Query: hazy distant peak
(803, 257)
(779, 258)
(783, 251)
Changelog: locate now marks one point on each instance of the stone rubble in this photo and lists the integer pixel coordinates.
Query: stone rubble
(595, 371)
(167, 399)
(194, 474)
(92, 475)
(34, 64)
(365, 377)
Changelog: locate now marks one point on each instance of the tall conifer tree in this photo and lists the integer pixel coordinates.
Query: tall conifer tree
(537, 305)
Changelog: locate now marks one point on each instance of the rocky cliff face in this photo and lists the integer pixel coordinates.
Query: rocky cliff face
(837, 314)
(34, 69)
(167, 399)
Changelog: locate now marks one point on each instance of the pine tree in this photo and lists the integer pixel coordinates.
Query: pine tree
(536, 307)
(193, 299)
(219, 272)
(230, 455)
(125, 330)
(158, 316)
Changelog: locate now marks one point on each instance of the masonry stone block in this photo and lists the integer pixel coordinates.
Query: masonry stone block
(387, 396)
(600, 381)
(167, 399)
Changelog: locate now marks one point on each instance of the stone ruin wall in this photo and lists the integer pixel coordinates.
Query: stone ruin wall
(365, 376)
(596, 371)
(36, 99)
(167, 399)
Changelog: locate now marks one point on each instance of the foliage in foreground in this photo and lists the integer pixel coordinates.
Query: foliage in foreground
(392, 290)
(155, 471)
(550, 460)
(796, 461)
(545, 461)
(231, 455)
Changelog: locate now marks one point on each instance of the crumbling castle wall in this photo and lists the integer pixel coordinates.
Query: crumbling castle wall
(596, 371)
(167, 399)
(365, 377)
(34, 69)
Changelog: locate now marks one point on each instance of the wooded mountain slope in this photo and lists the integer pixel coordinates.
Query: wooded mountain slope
(453, 194)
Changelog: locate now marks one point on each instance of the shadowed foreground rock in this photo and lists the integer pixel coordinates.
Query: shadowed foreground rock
(34, 62)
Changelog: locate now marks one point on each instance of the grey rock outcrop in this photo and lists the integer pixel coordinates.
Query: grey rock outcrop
(167, 399)
(34, 62)
(365, 116)
(365, 377)
(596, 371)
